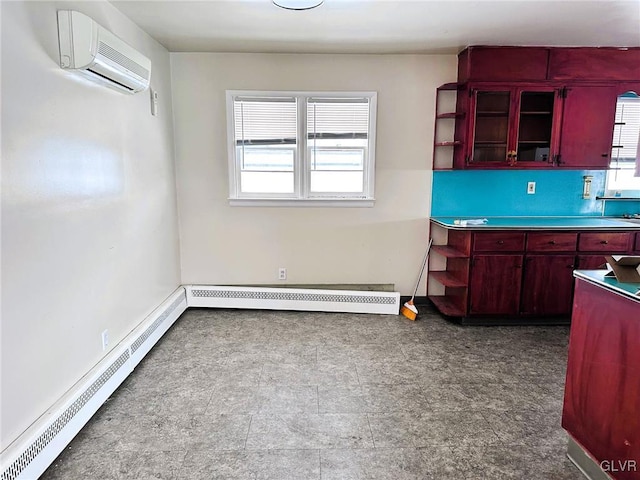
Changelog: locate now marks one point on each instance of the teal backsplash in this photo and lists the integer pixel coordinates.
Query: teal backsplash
(496, 193)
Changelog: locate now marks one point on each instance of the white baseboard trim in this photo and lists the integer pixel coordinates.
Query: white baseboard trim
(301, 299)
(32, 453)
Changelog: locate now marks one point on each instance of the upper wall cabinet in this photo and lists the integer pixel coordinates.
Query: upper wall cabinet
(538, 107)
(511, 126)
(597, 64)
(503, 64)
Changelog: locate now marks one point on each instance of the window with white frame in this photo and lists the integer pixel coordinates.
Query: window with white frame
(624, 171)
(301, 147)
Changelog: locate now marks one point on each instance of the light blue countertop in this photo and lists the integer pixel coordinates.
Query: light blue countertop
(597, 277)
(542, 223)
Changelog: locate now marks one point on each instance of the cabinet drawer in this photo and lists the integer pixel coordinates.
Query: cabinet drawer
(604, 242)
(499, 242)
(552, 242)
(637, 242)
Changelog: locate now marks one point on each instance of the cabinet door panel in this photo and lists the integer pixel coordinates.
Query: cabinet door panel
(503, 64)
(490, 128)
(587, 127)
(594, 64)
(547, 285)
(495, 284)
(637, 247)
(591, 262)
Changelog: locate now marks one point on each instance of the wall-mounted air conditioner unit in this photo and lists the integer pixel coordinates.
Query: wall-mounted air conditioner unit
(97, 53)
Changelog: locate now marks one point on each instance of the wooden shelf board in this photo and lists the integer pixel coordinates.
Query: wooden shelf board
(446, 306)
(489, 142)
(448, 86)
(536, 113)
(492, 114)
(446, 279)
(450, 115)
(448, 252)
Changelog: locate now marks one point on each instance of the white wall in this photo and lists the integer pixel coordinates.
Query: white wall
(89, 220)
(246, 245)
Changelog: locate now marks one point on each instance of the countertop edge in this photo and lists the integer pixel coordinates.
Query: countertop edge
(589, 277)
(486, 227)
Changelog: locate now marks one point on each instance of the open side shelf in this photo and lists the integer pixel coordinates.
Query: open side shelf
(449, 252)
(447, 279)
(447, 305)
(444, 129)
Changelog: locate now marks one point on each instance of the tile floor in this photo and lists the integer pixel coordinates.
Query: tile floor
(296, 395)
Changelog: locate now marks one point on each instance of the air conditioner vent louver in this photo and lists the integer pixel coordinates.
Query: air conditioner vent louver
(115, 56)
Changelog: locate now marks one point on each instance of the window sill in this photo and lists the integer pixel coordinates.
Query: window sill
(305, 202)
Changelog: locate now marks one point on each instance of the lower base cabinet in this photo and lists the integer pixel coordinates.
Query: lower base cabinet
(504, 274)
(517, 276)
(547, 285)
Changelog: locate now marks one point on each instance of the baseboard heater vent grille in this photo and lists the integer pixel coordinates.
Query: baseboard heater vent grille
(49, 434)
(30, 455)
(154, 326)
(350, 301)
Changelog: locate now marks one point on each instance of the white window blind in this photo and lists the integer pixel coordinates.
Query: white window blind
(265, 143)
(626, 131)
(265, 121)
(624, 170)
(337, 132)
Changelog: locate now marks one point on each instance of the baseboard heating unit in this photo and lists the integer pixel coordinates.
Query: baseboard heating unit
(30, 455)
(301, 299)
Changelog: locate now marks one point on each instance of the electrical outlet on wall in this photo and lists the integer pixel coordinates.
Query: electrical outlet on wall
(105, 339)
(531, 188)
(282, 273)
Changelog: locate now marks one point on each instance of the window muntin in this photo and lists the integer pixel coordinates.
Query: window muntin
(301, 146)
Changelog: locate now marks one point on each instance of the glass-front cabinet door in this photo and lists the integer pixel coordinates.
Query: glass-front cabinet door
(514, 127)
(490, 126)
(538, 122)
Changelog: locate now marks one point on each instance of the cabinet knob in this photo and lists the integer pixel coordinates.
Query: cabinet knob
(604, 242)
(571, 266)
(605, 155)
(500, 242)
(552, 242)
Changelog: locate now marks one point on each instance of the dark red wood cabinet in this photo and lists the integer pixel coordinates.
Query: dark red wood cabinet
(594, 64)
(514, 276)
(602, 389)
(503, 64)
(495, 284)
(511, 125)
(547, 285)
(587, 126)
(539, 107)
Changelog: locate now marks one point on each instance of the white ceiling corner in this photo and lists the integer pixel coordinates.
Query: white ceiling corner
(383, 26)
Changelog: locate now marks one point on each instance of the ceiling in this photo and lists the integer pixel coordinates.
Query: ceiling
(383, 26)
